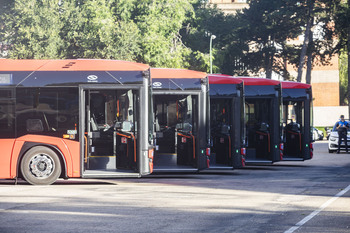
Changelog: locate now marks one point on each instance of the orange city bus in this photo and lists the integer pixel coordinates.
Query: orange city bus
(74, 118)
(180, 100)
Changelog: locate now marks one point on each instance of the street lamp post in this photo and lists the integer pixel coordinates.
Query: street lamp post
(212, 37)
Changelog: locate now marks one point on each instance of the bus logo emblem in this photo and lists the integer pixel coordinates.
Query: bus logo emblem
(157, 84)
(92, 78)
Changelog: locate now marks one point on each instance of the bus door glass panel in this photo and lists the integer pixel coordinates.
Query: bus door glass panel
(186, 128)
(259, 122)
(125, 126)
(175, 126)
(221, 127)
(166, 120)
(293, 123)
(111, 128)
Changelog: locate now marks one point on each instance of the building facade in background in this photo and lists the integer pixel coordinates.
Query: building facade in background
(230, 6)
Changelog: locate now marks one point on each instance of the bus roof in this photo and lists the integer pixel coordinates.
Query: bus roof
(223, 79)
(169, 73)
(294, 85)
(70, 65)
(251, 81)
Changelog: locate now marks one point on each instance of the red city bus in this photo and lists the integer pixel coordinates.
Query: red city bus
(297, 121)
(227, 129)
(263, 104)
(74, 118)
(180, 102)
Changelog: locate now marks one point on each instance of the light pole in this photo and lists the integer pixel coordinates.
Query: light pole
(212, 37)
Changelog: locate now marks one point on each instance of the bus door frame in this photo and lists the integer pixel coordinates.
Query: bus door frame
(201, 143)
(276, 128)
(306, 135)
(142, 142)
(307, 139)
(238, 125)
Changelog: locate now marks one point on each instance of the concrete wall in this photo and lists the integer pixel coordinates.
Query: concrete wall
(327, 116)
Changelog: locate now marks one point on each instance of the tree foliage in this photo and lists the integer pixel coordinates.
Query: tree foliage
(169, 33)
(342, 32)
(266, 26)
(160, 22)
(343, 78)
(118, 29)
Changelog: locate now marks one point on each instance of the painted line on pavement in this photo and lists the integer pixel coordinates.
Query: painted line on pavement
(59, 212)
(316, 212)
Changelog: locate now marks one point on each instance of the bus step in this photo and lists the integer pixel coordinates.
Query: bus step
(110, 174)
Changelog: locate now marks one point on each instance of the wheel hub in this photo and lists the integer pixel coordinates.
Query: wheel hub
(41, 166)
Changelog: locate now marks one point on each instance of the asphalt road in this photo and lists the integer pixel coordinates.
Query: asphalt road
(310, 196)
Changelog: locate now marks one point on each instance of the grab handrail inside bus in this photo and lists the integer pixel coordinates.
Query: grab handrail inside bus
(86, 147)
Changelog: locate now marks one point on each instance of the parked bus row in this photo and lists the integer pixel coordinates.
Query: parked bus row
(107, 119)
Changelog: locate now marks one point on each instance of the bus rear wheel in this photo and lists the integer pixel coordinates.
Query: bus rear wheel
(40, 166)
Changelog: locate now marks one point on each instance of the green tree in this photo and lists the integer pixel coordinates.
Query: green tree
(196, 34)
(147, 31)
(343, 78)
(32, 29)
(265, 27)
(93, 30)
(69, 29)
(320, 48)
(5, 8)
(160, 22)
(342, 32)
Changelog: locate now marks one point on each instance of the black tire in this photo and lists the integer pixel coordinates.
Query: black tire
(40, 166)
(331, 151)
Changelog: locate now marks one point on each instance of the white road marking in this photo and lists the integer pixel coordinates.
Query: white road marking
(316, 212)
(59, 212)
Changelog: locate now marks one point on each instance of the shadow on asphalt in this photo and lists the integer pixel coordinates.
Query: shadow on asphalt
(62, 182)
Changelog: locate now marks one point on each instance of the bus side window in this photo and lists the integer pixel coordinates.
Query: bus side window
(7, 115)
(56, 109)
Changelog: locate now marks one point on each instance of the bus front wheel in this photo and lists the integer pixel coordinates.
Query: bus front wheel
(40, 166)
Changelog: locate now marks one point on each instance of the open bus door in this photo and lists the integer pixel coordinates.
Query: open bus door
(110, 120)
(297, 121)
(263, 121)
(226, 122)
(179, 104)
